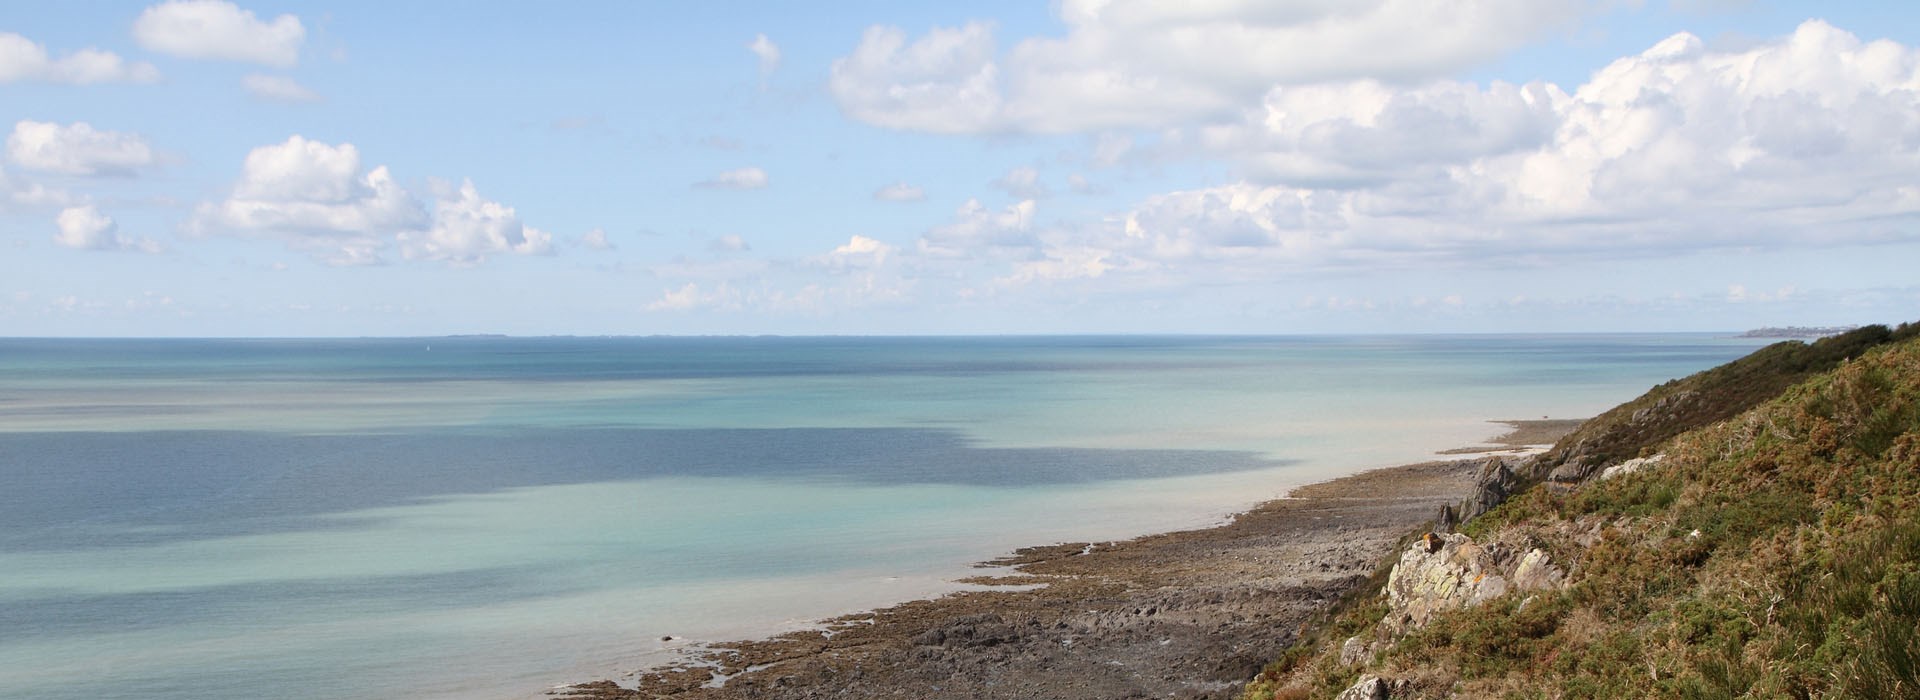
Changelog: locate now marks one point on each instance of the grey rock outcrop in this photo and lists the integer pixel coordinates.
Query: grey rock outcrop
(1368, 688)
(1495, 482)
(1632, 465)
(1445, 572)
(1355, 651)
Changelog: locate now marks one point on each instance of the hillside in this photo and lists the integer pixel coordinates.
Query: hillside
(1769, 547)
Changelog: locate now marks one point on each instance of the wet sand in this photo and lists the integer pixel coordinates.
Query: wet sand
(1191, 614)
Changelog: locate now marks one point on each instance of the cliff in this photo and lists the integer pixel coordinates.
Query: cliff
(1752, 530)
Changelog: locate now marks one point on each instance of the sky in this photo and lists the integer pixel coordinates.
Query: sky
(210, 168)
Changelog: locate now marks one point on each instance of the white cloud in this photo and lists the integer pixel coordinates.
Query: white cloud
(748, 178)
(596, 240)
(858, 252)
(316, 198)
(467, 228)
(1806, 141)
(975, 229)
(85, 228)
(1023, 183)
(31, 194)
(900, 192)
(219, 30)
(76, 149)
(730, 243)
(1063, 263)
(1366, 132)
(1138, 63)
(769, 55)
(692, 296)
(22, 59)
(945, 82)
(277, 88)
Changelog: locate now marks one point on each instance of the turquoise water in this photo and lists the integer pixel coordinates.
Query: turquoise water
(486, 517)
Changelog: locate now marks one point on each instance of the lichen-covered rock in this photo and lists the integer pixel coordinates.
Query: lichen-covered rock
(1440, 572)
(1444, 572)
(1536, 573)
(1630, 466)
(1367, 688)
(1354, 651)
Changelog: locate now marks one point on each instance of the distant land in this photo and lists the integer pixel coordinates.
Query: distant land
(1797, 332)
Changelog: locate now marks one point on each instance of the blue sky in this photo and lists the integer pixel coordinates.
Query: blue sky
(206, 168)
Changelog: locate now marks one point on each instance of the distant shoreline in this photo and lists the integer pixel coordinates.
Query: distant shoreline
(1799, 332)
(1194, 613)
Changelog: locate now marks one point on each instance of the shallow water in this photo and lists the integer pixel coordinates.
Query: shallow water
(481, 517)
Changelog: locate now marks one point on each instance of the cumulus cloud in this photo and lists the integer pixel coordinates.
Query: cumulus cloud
(858, 252)
(318, 199)
(975, 229)
(945, 82)
(85, 228)
(1806, 141)
(596, 240)
(315, 197)
(748, 178)
(219, 30)
(899, 192)
(1366, 132)
(693, 296)
(277, 88)
(22, 59)
(730, 243)
(768, 54)
(76, 149)
(1138, 63)
(467, 228)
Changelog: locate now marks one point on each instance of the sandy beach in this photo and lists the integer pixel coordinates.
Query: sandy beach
(1190, 614)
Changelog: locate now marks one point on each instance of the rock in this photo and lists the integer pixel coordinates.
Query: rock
(1630, 466)
(1371, 687)
(1446, 520)
(1537, 573)
(1367, 688)
(971, 631)
(1491, 487)
(1445, 572)
(1354, 652)
(1429, 580)
(1573, 471)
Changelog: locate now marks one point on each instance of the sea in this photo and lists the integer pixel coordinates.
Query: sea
(486, 518)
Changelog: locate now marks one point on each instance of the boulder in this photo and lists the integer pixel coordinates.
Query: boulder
(1632, 465)
(1438, 573)
(1536, 573)
(1367, 688)
(1355, 651)
(1491, 486)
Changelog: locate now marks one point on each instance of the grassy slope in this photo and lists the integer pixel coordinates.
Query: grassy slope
(1774, 554)
(1711, 396)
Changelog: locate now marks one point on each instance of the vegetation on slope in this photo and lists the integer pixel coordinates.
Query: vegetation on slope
(1706, 398)
(1772, 554)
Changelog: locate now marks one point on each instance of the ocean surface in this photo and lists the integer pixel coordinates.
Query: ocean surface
(488, 517)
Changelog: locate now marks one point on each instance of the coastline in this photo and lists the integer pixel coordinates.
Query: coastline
(1192, 613)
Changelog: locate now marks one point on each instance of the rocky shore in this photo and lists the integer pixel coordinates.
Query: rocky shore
(1191, 614)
